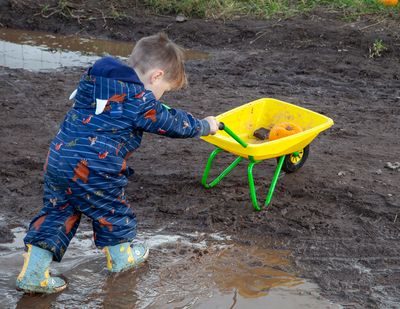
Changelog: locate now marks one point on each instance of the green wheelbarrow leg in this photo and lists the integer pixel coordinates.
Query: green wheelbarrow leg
(274, 181)
(222, 175)
(271, 190)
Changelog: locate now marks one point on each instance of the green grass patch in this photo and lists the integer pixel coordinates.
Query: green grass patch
(377, 49)
(228, 9)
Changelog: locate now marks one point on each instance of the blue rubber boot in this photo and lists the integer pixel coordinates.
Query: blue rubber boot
(35, 277)
(125, 256)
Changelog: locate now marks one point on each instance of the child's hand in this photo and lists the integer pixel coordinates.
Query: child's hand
(214, 123)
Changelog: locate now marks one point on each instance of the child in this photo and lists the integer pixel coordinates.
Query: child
(86, 170)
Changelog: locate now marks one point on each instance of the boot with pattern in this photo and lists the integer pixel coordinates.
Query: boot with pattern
(35, 277)
(125, 256)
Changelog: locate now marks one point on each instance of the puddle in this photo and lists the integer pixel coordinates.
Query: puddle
(184, 271)
(41, 51)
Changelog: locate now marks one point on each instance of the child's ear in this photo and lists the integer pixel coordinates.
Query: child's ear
(157, 75)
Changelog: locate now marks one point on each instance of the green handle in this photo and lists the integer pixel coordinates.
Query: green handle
(222, 126)
(166, 106)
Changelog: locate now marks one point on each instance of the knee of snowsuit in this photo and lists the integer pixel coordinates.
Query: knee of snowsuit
(78, 181)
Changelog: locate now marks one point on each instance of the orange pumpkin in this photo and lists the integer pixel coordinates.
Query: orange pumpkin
(283, 129)
(389, 2)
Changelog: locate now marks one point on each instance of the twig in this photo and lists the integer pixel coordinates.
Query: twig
(363, 28)
(79, 31)
(265, 32)
(104, 18)
(260, 36)
(52, 13)
(395, 218)
(76, 16)
(167, 27)
(234, 300)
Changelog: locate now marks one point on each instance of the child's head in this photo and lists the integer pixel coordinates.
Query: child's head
(159, 62)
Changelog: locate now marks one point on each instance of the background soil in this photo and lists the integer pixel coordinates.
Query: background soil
(339, 213)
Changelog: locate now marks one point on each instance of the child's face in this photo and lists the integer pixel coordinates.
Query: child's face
(154, 80)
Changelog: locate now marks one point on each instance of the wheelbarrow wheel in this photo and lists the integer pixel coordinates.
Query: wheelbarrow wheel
(296, 160)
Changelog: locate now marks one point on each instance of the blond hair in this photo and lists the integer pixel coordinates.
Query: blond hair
(158, 51)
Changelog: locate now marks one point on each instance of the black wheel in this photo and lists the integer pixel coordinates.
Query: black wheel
(296, 160)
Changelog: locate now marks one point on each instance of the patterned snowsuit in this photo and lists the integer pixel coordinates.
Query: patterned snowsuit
(86, 170)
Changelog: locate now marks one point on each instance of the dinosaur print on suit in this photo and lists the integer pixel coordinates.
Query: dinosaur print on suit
(81, 171)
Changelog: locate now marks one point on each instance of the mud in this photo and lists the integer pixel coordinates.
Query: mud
(337, 216)
(194, 270)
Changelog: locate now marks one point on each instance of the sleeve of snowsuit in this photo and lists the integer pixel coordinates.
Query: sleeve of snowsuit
(154, 117)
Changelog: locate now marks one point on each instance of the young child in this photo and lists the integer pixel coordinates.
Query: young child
(86, 170)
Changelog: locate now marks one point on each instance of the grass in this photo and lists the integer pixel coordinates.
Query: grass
(377, 49)
(228, 9)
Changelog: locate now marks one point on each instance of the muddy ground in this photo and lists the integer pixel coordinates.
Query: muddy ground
(338, 214)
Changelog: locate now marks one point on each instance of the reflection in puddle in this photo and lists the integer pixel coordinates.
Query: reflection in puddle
(184, 271)
(36, 51)
(251, 271)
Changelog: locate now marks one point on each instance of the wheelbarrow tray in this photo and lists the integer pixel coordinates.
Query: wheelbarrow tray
(266, 112)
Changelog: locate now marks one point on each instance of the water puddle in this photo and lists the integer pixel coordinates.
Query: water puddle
(41, 51)
(184, 271)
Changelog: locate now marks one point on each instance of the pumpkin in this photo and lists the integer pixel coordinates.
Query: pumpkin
(283, 129)
(389, 2)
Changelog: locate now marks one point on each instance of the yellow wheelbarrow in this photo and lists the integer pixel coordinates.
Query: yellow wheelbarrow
(236, 136)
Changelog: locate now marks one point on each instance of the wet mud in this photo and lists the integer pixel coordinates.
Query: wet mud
(337, 217)
(196, 270)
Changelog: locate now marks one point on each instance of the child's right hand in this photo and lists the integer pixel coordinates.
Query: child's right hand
(214, 124)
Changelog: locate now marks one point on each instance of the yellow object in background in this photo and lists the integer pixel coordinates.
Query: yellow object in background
(389, 2)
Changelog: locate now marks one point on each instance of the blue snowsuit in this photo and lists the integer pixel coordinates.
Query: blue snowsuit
(86, 170)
